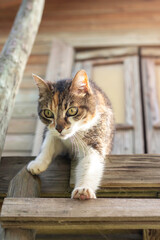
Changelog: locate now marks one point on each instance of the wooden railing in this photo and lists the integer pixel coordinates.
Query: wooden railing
(125, 177)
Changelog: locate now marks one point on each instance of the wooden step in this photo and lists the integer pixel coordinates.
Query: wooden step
(61, 214)
(124, 176)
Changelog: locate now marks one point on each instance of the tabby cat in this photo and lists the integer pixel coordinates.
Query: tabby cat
(79, 120)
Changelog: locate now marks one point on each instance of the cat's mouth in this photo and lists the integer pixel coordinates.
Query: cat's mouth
(63, 136)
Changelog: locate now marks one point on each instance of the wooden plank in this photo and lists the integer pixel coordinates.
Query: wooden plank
(38, 58)
(75, 228)
(133, 102)
(124, 176)
(60, 60)
(9, 3)
(21, 234)
(105, 213)
(16, 153)
(27, 95)
(25, 110)
(22, 185)
(123, 142)
(123, 38)
(42, 47)
(38, 69)
(151, 108)
(150, 52)
(128, 171)
(110, 234)
(59, 67)
(29, 83)
(109, 38)
(54, 181)
(21, 142)
(21, 126)
(106, 53)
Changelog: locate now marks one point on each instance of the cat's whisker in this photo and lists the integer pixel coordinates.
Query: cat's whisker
(73, 147)
(81, 142)
(77, 144)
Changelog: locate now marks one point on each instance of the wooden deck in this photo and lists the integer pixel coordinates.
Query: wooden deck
(128, 181)
(124, 176)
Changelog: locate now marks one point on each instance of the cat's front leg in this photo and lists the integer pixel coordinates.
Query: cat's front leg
(89, 172)
(51, 147)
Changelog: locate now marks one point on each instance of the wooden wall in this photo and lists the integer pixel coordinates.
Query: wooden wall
(88, 24)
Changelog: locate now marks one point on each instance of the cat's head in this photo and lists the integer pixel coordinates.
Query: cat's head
(66, 106)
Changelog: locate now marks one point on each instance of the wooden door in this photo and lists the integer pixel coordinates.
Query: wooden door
(119, 77)
(151, 97)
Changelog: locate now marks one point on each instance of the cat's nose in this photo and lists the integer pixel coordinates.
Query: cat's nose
(59, 128)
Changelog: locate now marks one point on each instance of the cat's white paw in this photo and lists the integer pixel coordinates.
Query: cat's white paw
(36, 167)
(83, 193)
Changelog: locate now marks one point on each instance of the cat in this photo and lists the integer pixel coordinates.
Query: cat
(78, 115)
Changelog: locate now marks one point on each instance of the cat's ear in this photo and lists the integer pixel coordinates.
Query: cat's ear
(80, 83)
(42, 85)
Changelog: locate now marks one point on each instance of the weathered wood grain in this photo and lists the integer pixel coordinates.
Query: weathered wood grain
(128, 136)
(151, 108)
(35, 68)
(54, 181)
(124, 176)
(25, 110)
(16, 153)
(21, 126)
(22, 142)
(150, 52)
(129, 171)
(105, 213)
(133, 102)
(106, 53)
(28, 83)
(123, 141)
(22, 185)
(21, 234)
(109, 235)
(27, 96)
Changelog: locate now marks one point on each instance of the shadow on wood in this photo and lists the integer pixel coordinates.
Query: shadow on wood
(23, 184)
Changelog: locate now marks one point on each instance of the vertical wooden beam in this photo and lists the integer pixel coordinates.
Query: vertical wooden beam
(14, 57)
(59, 67)
(22, 185)
(133, 102)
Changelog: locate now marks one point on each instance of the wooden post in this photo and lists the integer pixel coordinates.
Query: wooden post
(22, 185)
(14, 57)
(59, 67)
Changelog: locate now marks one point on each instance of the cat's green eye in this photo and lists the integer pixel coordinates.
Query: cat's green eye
(72, 111)
(48, 114)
